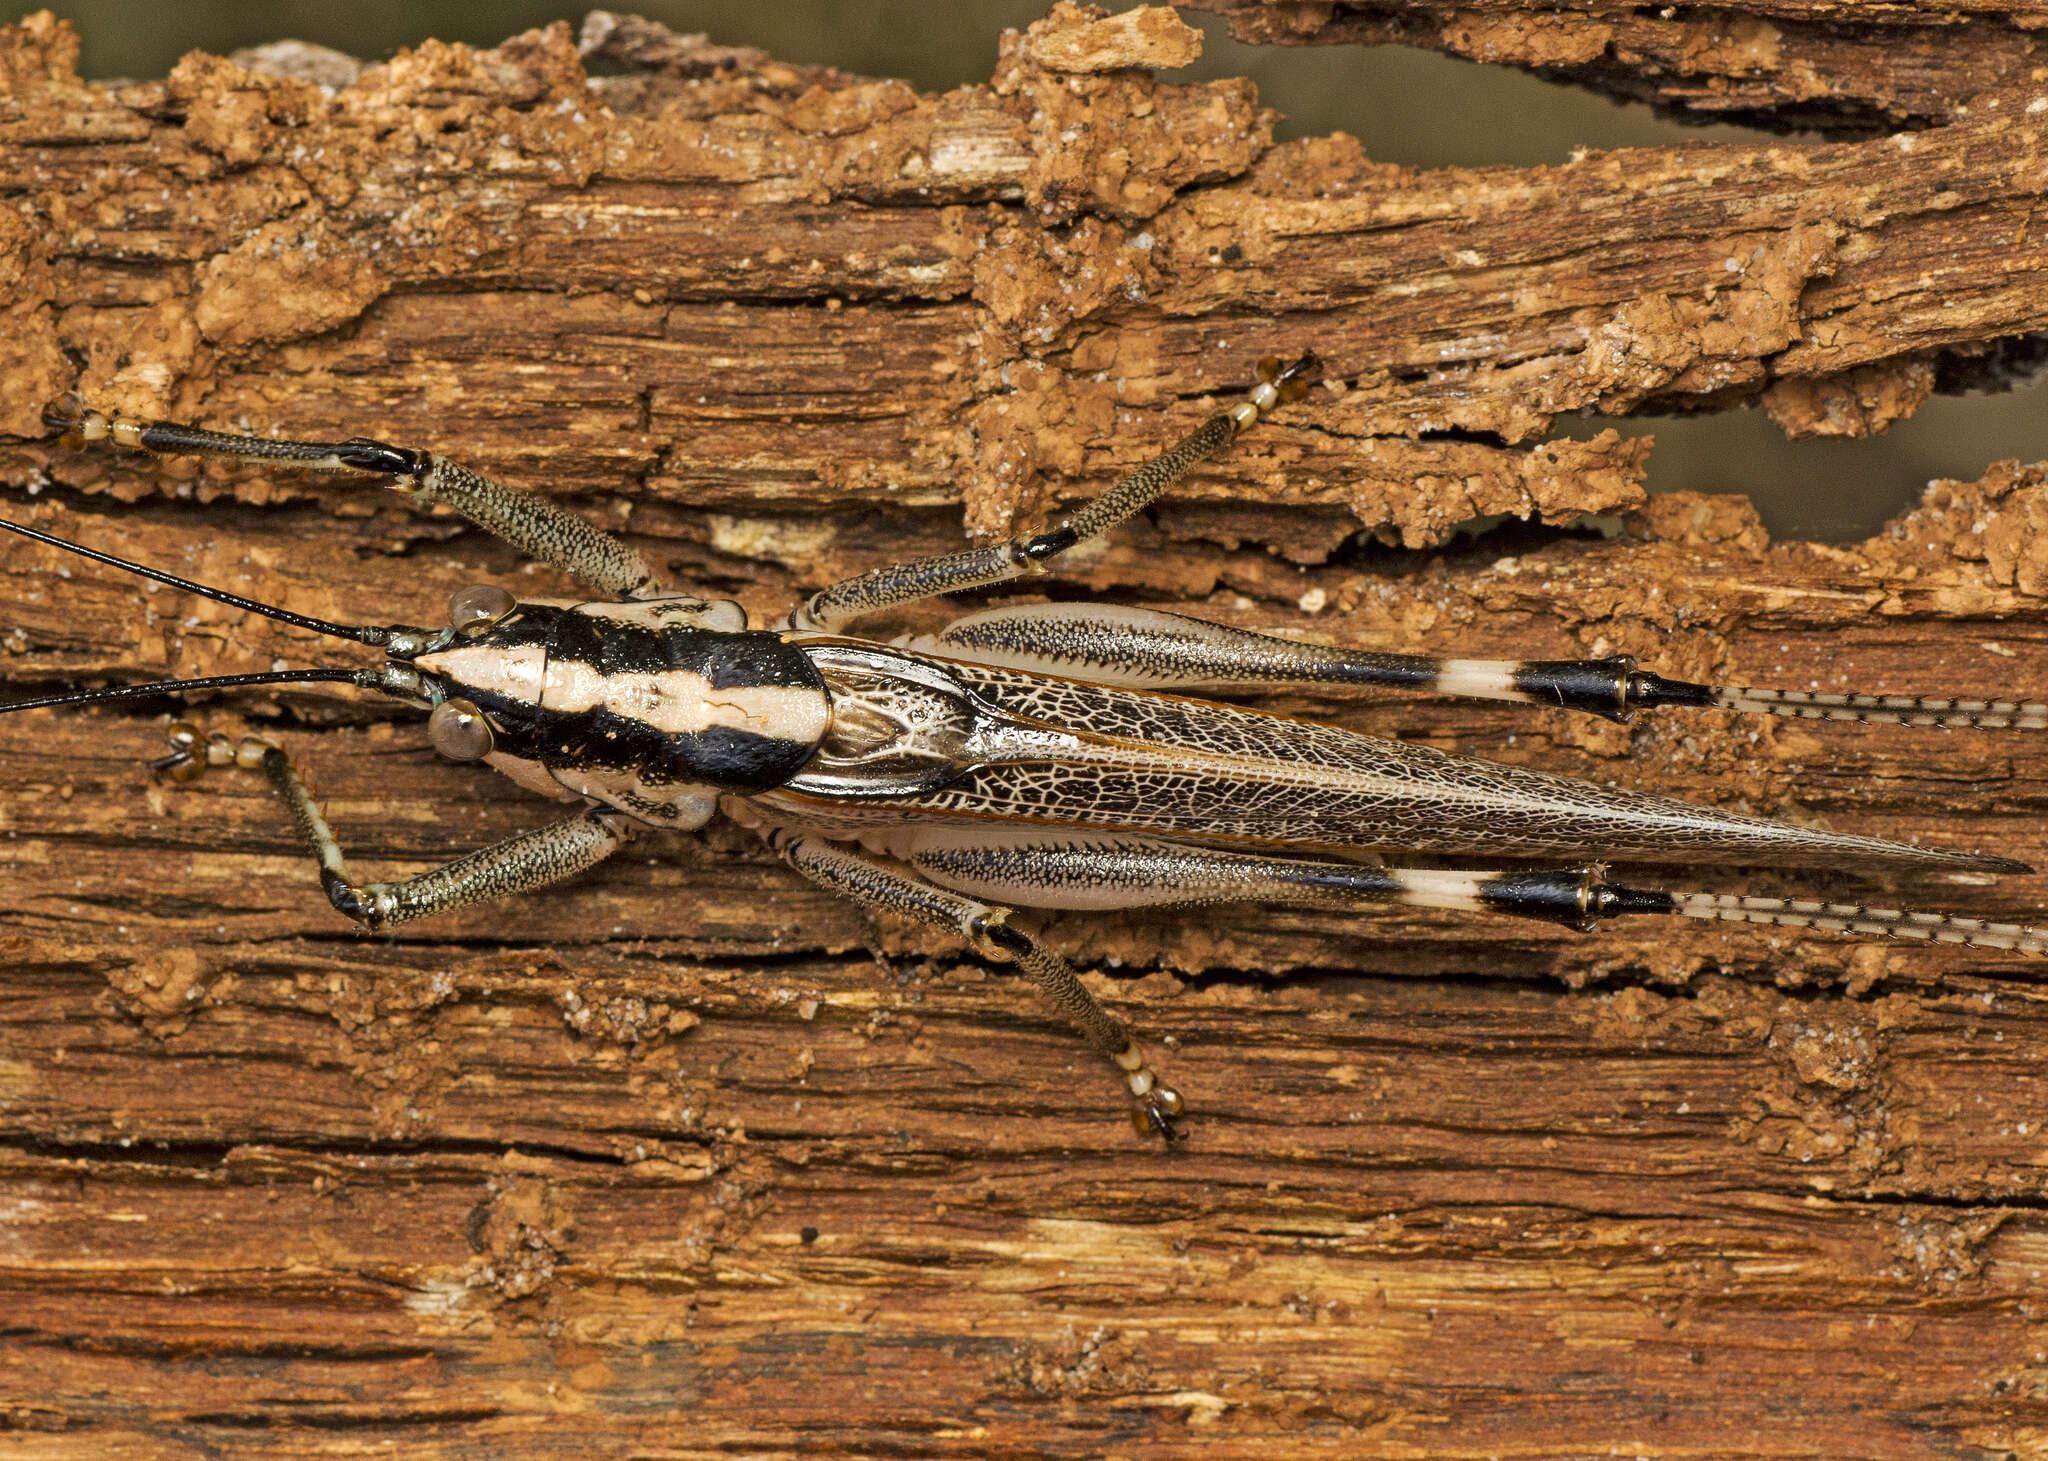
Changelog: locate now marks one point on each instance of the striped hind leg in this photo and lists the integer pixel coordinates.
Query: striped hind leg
(1152, 650)
(1069, 869)
(971, 879)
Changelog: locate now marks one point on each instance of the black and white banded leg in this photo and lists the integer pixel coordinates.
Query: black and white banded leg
(517, 865)
(971, 879)
(1051, 868)
(832, 608)
(876, 884)
(528, 522)
(1153, 650)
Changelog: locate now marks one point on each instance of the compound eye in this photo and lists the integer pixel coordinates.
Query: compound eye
(458, 730)
(476, 608)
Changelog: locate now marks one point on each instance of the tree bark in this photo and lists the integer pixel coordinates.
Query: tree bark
(1845, 67)
(666, 1161)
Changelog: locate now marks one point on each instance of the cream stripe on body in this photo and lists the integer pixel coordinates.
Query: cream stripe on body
(675, 702)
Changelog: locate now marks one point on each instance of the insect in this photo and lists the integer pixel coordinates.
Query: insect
(1042, 756)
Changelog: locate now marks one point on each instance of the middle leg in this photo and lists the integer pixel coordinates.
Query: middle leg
(875, 884)
(832, 608)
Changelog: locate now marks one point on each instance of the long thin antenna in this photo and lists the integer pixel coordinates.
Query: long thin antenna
(361, 634)
(366, 679)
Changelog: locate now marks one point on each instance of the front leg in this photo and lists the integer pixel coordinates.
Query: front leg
(517, 865)
(532, 524)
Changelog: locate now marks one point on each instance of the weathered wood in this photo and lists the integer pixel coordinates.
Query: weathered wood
(1845, 67)
(666, 1164)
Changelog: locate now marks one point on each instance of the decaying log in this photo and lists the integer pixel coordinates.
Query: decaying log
(667, 1163)
(1845, 67)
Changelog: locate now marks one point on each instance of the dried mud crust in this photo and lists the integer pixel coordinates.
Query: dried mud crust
(664, 1160)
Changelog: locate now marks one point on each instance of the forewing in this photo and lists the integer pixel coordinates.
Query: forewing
(1064, 752)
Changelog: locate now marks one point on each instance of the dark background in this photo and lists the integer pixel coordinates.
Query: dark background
(1407, 107)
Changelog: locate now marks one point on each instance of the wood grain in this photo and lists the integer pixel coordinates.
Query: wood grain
(670, 1164)
(1841, 67)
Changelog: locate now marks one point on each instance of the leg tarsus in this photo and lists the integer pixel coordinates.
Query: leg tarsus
(995, 937)
(1291, 380)
(1155, 1114)
(191, 753)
